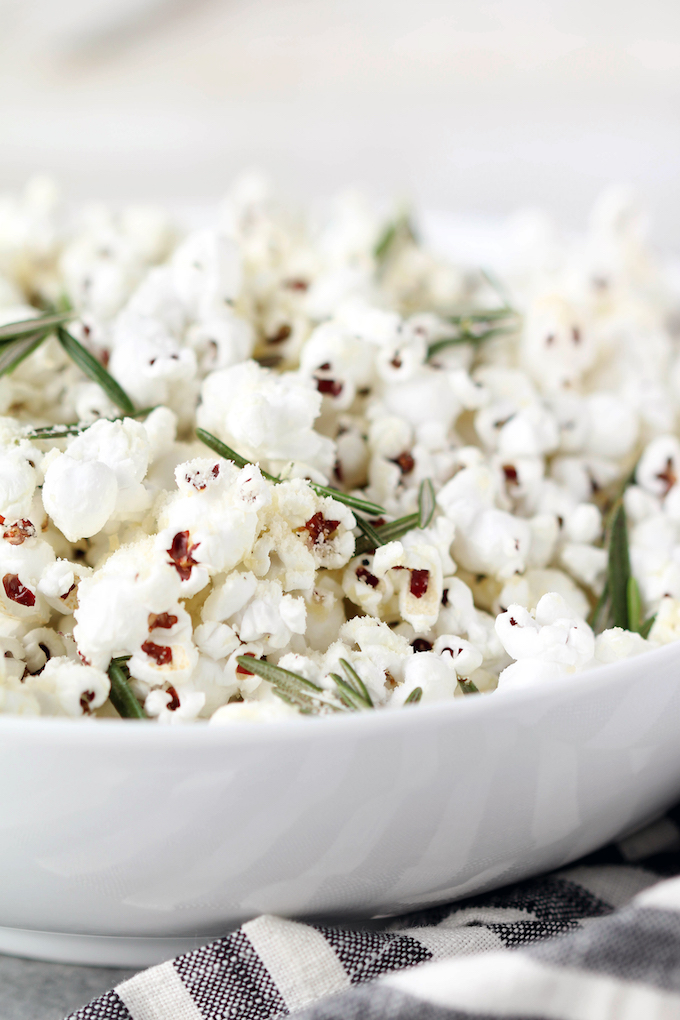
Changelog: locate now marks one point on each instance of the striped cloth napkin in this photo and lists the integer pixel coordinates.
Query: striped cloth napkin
(598, 941)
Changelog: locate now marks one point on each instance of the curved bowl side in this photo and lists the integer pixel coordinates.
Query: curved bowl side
(134, 830)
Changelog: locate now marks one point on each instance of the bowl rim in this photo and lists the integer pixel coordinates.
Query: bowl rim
(107, 732)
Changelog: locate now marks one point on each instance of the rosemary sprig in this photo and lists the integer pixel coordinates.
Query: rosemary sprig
(469, 334)
(400, 228)
(292, 687)
(75, 428)
(647, 626)
(426, 503)
(468, 687)
(370, 533)
(618, 568)
(414, 697)
(388, 533)
(17, 330)
(14, 352)
(92, 368)
(121, 696)
(225, 451)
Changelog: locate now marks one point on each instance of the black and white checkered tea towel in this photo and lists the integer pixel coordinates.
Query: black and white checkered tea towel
(599, 941)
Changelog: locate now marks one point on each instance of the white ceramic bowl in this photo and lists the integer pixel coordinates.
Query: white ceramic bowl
(126, 843)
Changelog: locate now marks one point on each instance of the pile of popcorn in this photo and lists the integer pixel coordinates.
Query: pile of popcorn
(307, 347)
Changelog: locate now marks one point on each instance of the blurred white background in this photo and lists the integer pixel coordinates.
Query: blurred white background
(468, 105)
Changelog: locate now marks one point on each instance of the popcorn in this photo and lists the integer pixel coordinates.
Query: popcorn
(309, 355)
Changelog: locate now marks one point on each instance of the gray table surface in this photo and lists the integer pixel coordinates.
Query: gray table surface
(33, 990)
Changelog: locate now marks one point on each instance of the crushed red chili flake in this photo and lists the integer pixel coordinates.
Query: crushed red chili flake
(367, 577)
(16, 591)
(241, 669)
(85, 661)
(18, 532)
(329, 387)
(319, 528)
(451, 651)
(301, 285)
(445, 597)
(396, 361)
(180, 553)
(378, 522)
(513, 622)
(173, 704)
(510, 472)
(86, 698)
(405, 462)
(421, 644)
(668, 476)
(162, 620)
(105, 357)
(576, 334)
(419, 582)
(161, 653)
(216, 470)
(337, 470)
(282, 333)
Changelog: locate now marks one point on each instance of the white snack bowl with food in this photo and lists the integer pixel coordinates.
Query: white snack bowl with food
(126, 844)
(282, 468)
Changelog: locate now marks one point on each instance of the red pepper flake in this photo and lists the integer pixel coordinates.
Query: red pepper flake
(405, 462)
(668, 476)
(66, 594)
(85, 661)
(510, 472)
(105, 357)
(513, 622)
(576, 334)
(300, 285)
(216, 470)
(180, 553)
(329, 387)
(445, 597)
(419, 582)
(451, 651)
(161, 653)
(194, 479)
(319, 528)
(421, 644)
(173, 704)
(282, 333)
(16, 591)
(86, 698)
(337, 470)
(162, 620)
(396, 361)
(241, 669)
(18, 532)
(367, 577)
(378, 522)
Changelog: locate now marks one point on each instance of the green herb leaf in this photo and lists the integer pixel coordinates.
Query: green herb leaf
(302, 693)
(596, 612)
(618, 568)
(400, 228)
(634, 603)
(92, 368)
(347, 694)
(17, 330)
(387, 533)
(356, 681)
(121, 696)
(370, 533)
(466, 336)
(468, 687)
(415, 696)
(12, 354)
(426, 503)
(321, 490)
(75, 428)
(647, 626)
